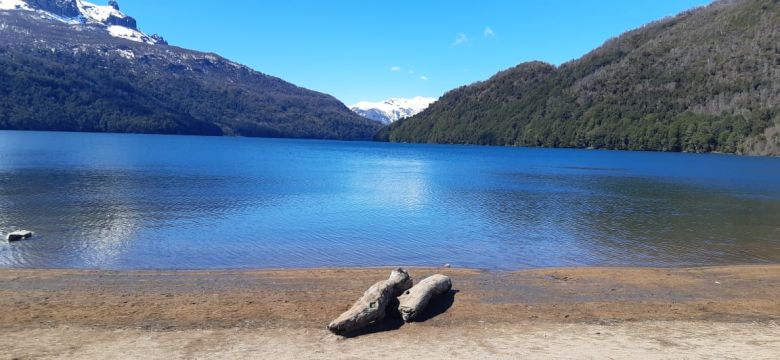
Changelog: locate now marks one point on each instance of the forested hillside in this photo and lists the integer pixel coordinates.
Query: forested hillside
(63, 75)
(706, 80)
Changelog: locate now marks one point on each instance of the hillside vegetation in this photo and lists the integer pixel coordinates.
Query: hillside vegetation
(706, 80)
(61, 77)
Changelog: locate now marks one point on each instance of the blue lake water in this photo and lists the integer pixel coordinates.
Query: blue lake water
(180, 202)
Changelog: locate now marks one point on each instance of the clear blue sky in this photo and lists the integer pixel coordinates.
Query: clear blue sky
(372, 50)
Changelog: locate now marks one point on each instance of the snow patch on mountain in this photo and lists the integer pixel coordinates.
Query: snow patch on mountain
(127, 54)
(98, 13)
(116, 23)
(393, 109)
(13, 5)
(129, 34)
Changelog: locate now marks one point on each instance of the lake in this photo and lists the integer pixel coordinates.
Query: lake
(114, 201)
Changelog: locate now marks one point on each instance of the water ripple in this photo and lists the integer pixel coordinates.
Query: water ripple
(248, 203)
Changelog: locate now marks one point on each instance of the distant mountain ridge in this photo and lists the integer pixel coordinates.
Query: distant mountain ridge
(392, 109)
(70, 65)
(707, 80)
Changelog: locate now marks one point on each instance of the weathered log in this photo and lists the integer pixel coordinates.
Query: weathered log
(372, 306)
(413, 301)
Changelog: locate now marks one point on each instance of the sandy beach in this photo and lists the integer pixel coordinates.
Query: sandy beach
(716, 312)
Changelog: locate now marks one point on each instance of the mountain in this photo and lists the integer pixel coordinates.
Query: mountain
(69, 65)
(706, 80)
(391, 110)
(77, 12)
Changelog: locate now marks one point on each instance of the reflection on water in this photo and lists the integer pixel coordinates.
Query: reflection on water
(135, 201)
(592, 220)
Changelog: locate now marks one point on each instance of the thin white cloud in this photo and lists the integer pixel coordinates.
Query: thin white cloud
(460, 39)
(424, 78)
(411, 72)
(395, 68)
(489, 32)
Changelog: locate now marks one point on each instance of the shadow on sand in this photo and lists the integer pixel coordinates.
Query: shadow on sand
(438, 305)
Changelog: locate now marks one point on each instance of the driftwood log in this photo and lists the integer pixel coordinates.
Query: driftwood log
(372, 306)
(413, 301)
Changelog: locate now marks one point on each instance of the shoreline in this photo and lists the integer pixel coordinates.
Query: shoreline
(388, 268)
(183, 299)
(78, 312)
(373, 141)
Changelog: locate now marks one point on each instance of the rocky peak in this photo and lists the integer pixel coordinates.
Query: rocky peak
(126, 21)
(159, 39)
(74, 12)
(64, 8)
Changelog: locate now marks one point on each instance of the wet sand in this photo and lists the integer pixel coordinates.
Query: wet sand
(565, 313)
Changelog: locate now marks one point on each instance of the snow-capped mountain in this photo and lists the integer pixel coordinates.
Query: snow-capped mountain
(391, 110)
(79, 12)
(70, 65)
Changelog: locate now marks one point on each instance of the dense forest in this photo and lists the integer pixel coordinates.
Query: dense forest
(707, 80)
(55, 76)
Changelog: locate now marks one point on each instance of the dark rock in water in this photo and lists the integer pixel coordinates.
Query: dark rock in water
(19, 235)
